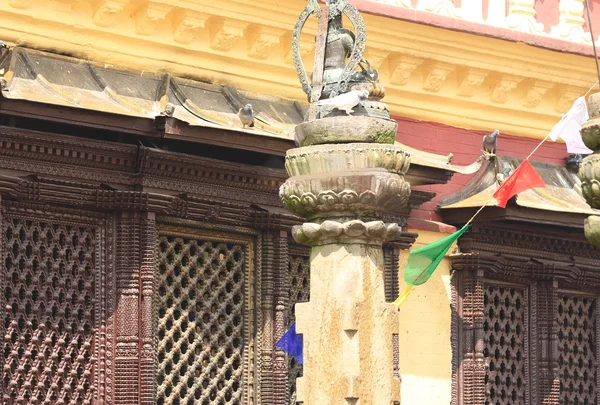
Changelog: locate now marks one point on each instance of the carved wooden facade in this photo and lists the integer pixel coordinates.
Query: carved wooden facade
(132, 275)
(525, 317)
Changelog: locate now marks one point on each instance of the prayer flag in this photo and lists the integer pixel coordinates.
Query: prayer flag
(423, 261)
(291, 343)
(569, 128)
(523, 178)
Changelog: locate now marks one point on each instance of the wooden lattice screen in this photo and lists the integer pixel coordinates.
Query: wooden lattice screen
(50, 302)
(576, 319)
(505, 345)
(204, 320)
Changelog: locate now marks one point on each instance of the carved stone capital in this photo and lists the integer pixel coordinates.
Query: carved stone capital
(355, 231)
(186, 26)
(148, 17)
(322, 159)
(353, 192)
(590, 133)
(349, 129)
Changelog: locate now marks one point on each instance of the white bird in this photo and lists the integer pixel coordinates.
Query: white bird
(345, 101)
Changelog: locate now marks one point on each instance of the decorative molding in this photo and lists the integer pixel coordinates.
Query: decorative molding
(521, 17)
(376, 57)
(224, 33)
(307, 48)
(148, 17)
(565, 99)
(355, 231)
(65, 6)
(570, 25)
(21, 4)
(106, 11)
(405, 93)
(402, 67)
(435, 75)
(534, 91)
(187, 24)
(469, 80)
(501, 86)
(400, 3)
(441, 7)
(262, 41)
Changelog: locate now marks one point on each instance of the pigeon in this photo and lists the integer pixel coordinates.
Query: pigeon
(345, 101)
(573, 162)
(501, 177)
(246, 115)
(489, 144)
(169, 110)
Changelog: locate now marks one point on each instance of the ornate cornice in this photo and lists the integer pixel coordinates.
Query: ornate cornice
(474, 81)
(522, 270)
(530, 243)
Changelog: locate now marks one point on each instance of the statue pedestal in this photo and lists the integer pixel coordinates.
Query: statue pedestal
(344, 190)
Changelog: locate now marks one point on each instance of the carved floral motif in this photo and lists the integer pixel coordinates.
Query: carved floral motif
(186, 26)
(224, 34)
(402, 68)
(435, 75)
(469, 80)
(148, 17)
(534, 91)
(355, 231)
(107, 11)
(262, 41)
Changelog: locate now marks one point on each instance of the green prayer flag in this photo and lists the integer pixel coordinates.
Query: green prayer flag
(423, 261)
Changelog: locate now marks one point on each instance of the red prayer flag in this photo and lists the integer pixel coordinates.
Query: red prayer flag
(523, 178)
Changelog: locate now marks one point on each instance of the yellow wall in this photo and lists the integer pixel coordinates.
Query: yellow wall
(425, 350)
(429, 73)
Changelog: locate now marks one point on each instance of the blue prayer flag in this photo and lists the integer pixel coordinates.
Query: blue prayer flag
(291, 343)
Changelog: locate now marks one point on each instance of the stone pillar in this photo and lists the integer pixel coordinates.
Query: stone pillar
(343, 190)
(589, 171)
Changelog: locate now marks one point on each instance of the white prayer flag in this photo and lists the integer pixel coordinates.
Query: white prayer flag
(569, 128)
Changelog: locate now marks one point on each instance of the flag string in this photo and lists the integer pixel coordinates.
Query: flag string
(416, 277)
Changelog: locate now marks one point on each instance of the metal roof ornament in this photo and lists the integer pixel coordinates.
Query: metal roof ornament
(340, 66)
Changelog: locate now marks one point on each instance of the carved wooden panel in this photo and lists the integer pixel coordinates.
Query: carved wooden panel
(299, 291)
(577, 349)
(53, 308)
(505, 347)
(205, 318)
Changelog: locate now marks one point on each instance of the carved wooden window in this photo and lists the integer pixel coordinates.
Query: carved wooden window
(51, 308)
(505, 345)
(299, 291)
(576, 318)
(205, 321)
(523, 344)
